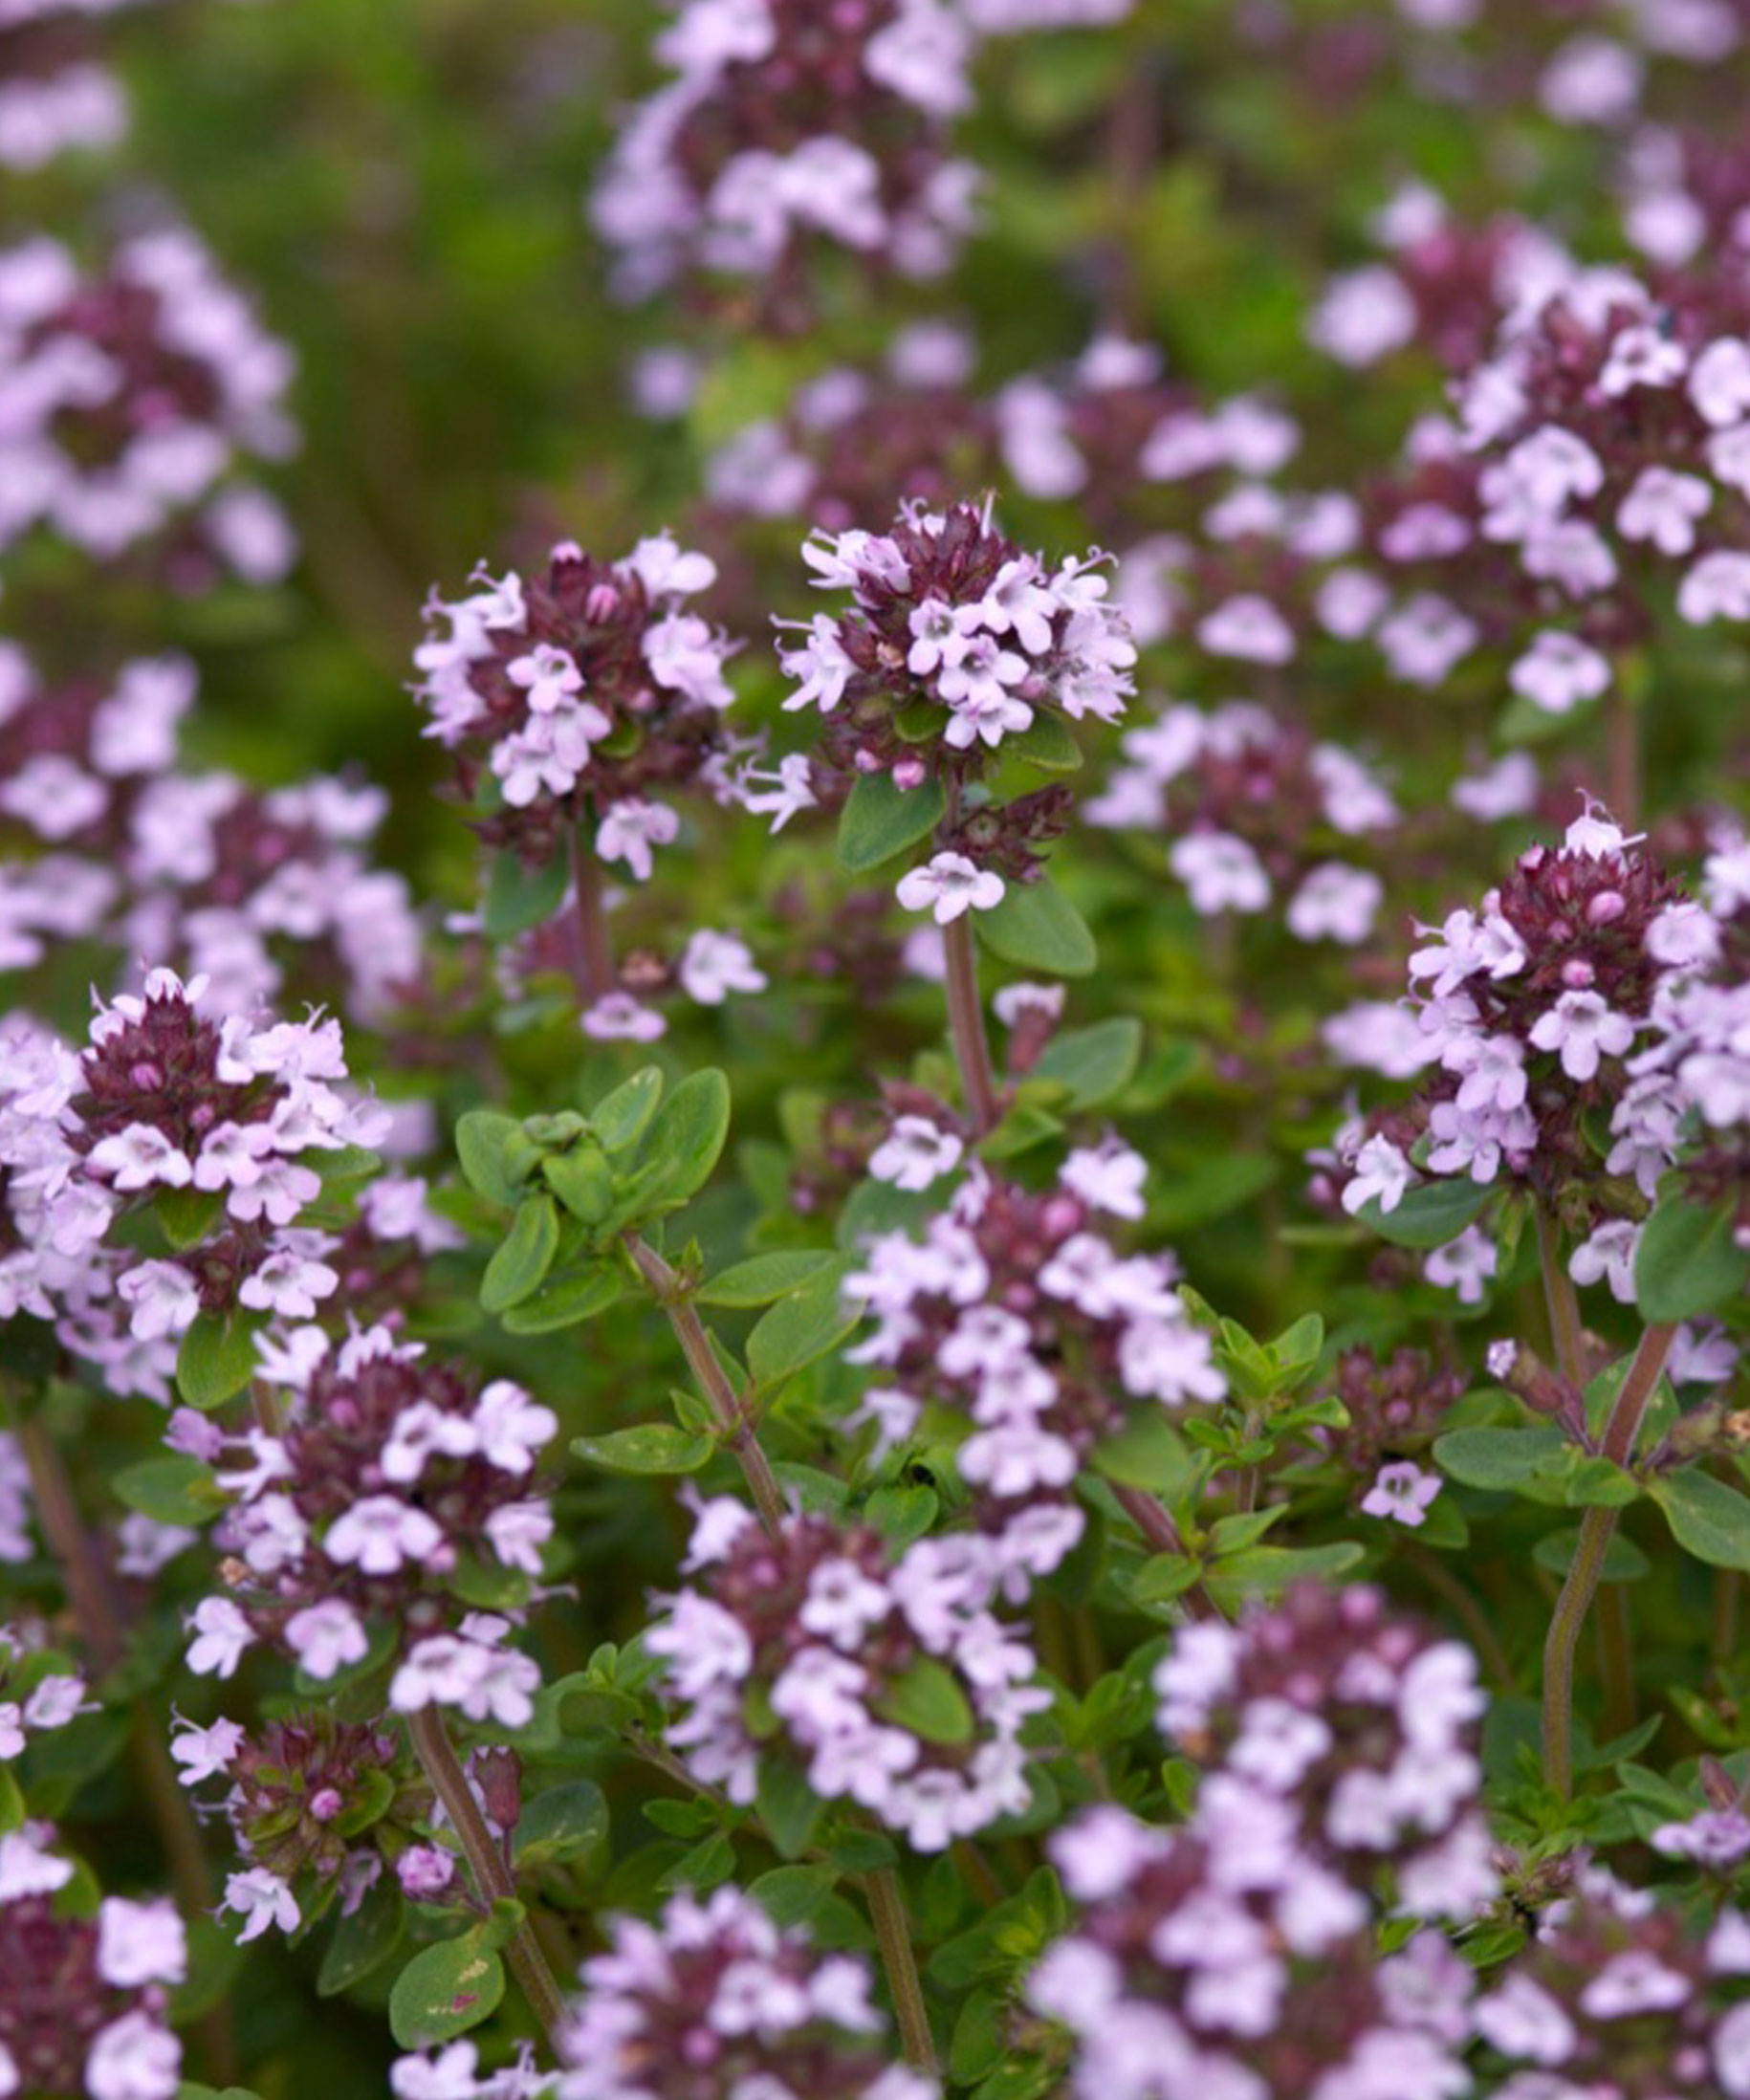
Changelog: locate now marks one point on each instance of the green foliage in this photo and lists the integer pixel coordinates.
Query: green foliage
(1707, 1518)
(1688, 1261)
(1037, 928)
(218, 1358)
(446, 1990)
(880, 820)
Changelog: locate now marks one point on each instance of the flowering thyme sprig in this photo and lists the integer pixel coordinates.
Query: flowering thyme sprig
(391, 1477)
(713, 2001)
(1017, 1309)
(890, 1684)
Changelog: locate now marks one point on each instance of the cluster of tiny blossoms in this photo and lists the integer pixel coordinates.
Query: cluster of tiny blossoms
(715, 2002)
(952, 617)
(578, 693)
(128, 400)
(1237, 1955)
(817, 1630)
(956, 642)
(56, 94)
(390, 1475)
(164, 1101)
(1252, 804)
(1619, 1999)
(84, 2006)
(1608, 439)
(785, 124)
(316, 1806)
(1356, 1725)
(141, 854)
(1533, 1005)
(1219, 1962)
(1016, 1308)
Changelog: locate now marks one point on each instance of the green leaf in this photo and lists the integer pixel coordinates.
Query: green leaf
(186, 1216)
(582, 1180)
(801, 1328)
(902, 1512)
(1706, 1517)
(339, 1164)
(12, 1801)
(481, 1137)
(364, 1942)
(520, 897)
(443, 1991)
(566, 1302)
(654, 1446)
(1271, 1569)
(788, 1806)
(1037, 928)
(1503, 1459)
(1167, 1575)
(620, 1119)
(562, 1824)
(879, 819)
(1046, 744)
(685, 1142)
(927, 1699)
(170, 1491)
(707, 1867)
(1688, 1262)
(1148, 1452)
(518, 1268)
(218, 1358)
(767, 1277)
(1623, 1561)
(1095, 1063)
(1430, 1214)
(794, 1895)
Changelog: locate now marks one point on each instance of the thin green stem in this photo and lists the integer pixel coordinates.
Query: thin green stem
(732, 1423)
(1597, 1528)
(493, 1881)
(966, 1024)
(893, 1937)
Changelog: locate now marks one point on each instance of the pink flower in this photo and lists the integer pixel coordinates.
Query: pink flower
(262, 1899)
(949, 886)
(1401, 1493)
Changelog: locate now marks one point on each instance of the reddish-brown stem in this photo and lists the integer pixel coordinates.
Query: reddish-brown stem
(493, 1882)
(1597, 1528)
(592, 943)
(966, 1024)
(734, 1428)
(1154, 1523)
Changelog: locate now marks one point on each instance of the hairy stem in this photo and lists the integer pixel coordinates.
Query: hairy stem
(592, 944)
(893, 1937)
(966, 1023)
(1597, 1528)
(732, 1423)
(1566, 1329)
(1163, 1535)
(493, 1881)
